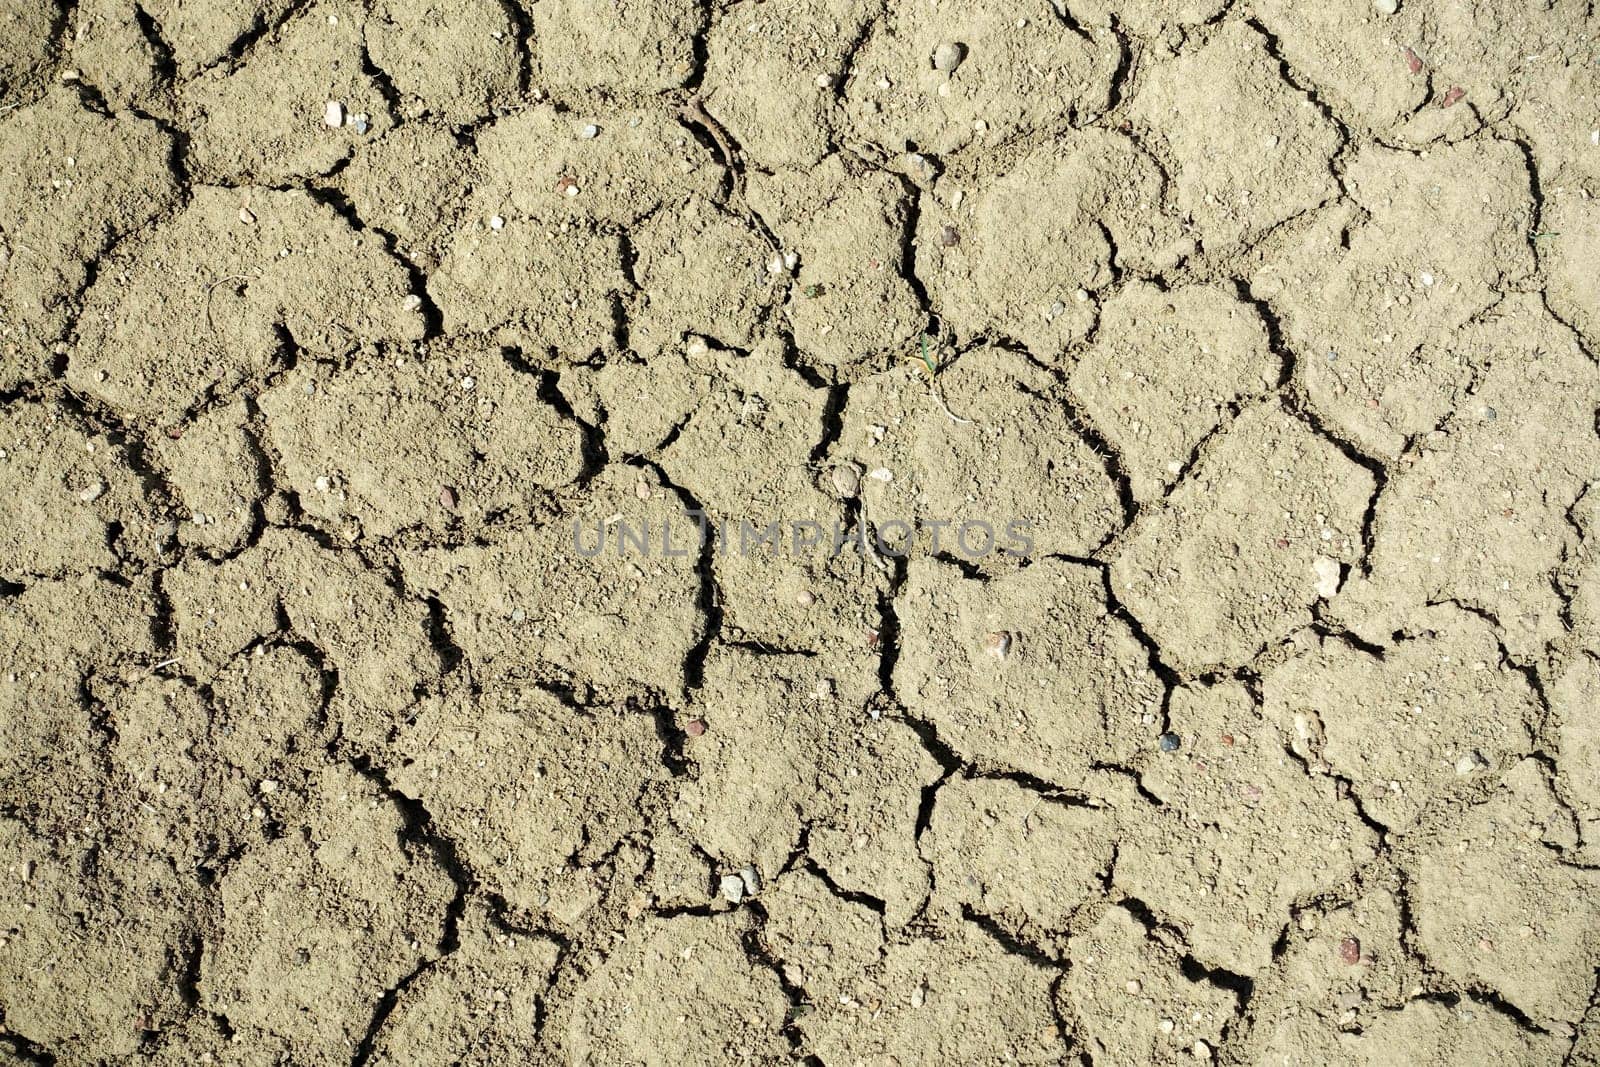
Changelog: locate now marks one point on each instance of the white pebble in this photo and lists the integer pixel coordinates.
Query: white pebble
(246, 216)
(1327, 572)
(468, 382)
(589, 132)
(411, 302)
(333, 114)
(1386, 7)
(93, 492)
(948, 56)
(732, 888)
(497, 223)
(322, 483)
(1426, 279)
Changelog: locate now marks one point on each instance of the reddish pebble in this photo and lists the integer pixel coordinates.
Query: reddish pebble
(1227, 739)
(565, 183)
(872, 639)
(447, 497)
(695, 728)
(1350, 951)
(1413, 61)
(1454, 94)
(1283, 542)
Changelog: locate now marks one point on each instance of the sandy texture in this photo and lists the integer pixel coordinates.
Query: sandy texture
(1155, 615)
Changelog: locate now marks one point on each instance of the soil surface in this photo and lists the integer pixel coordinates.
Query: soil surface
(369, 370)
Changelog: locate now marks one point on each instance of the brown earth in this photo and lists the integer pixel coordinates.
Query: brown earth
(322, 739)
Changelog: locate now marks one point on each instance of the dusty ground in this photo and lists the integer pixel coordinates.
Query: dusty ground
(321, 322)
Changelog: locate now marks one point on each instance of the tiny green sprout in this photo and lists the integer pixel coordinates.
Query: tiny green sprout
(813, 291)
(926, 359)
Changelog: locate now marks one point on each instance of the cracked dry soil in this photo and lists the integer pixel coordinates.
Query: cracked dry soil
(322, 322)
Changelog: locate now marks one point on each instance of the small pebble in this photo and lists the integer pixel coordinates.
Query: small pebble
(589, 132)
(1201, 1050)
(846, 481)
(1167, 1026)
(1452, 96)
(269, 785)
(1327, 572)
(1134, 987)
(468, 383)
(949, 237)
(333, 114)
(732, 888)
(1168, 741)
(1413, 61)
(245, 216)
(806, 598)
(411, 302)
(322, 483)
(93, 492)
(695, 727)
(751, 879)
(447, 497)
(362, 122)
(1350, 951)
(1386, 7)
(948, 56)
(496, 222)
(997, 644)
